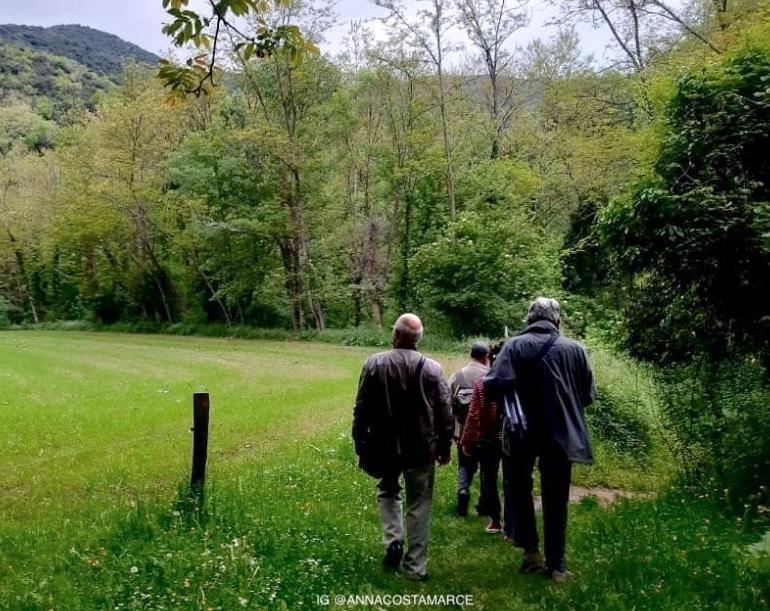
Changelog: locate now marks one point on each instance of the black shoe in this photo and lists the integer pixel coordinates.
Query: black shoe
(463, 499)
(422, 577)
(533, 563)
(393, 555)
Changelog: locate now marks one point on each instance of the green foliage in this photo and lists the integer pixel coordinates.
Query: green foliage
(695, 239)
(616, 419)
(720, 429)
(50, 84)
(480, 274)
(188, 27)
(585, 266)
(5, 321)
(757, 555)
(23, 128)
(228, 215)
(624, 422)
(594, 318)
(496, 185)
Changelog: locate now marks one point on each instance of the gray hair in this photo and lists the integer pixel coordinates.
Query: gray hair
(544, 308)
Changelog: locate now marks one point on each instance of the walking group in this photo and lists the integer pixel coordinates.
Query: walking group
(513, 406)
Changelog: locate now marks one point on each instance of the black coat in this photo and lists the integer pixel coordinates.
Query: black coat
(553, 390)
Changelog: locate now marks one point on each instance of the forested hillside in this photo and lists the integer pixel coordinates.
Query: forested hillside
(336, 192)
(51, 84)
(100, 52)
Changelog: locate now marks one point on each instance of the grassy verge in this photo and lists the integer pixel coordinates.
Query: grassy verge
(97, 456)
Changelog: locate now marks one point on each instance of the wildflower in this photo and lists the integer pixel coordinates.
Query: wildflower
(134, 570)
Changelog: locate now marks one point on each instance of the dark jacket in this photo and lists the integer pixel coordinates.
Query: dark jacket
(553, 390)
(415, 412)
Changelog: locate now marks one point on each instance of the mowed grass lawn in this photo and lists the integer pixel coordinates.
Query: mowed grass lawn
(105, 418)
(96, 462)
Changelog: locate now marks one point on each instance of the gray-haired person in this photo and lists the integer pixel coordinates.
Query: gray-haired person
(402, 426)
(552, 378)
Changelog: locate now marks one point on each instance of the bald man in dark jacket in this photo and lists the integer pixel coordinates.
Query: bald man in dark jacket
(403, 409)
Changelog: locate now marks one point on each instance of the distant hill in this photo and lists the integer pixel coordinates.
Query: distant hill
(100, 52)
(50, 83)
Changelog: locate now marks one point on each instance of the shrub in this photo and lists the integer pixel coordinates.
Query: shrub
(617, 419)
(757, 555)
(720, 428)
(5, 321)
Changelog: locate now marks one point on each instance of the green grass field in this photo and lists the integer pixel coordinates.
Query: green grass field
(96, 460)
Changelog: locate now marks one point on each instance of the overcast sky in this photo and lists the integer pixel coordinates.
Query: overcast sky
(140, 21)
(137, 21)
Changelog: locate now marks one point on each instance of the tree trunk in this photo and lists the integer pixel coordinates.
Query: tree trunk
(210, 286)
(292, 284)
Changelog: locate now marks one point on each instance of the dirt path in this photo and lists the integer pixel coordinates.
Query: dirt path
(605, 496)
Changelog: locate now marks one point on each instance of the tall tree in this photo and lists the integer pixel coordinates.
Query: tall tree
(285, 100)
(414, 165)
(428, 32)
(636, 25)
(489, 25)
(115, 175)
(26, 182)
(224, 208)
(579, 131)
(695, 241)
(478, 274)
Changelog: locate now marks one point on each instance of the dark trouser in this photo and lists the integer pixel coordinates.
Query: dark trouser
(507, 498)
(466, 469)
(555, 476)
(489, 453)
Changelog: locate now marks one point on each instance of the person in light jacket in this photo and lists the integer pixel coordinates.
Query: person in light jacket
(460, 383)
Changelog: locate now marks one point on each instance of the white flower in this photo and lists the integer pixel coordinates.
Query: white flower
(134, 570)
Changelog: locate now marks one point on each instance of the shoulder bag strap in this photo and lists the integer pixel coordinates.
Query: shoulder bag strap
(546, 347)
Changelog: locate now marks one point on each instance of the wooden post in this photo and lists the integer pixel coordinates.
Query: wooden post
(200, 442)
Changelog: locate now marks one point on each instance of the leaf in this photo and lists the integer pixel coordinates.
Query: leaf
(239, 7)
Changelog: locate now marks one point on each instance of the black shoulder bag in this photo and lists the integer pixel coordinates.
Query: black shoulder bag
(514, 420)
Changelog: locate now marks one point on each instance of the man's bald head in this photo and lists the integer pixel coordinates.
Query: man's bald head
(407, 330)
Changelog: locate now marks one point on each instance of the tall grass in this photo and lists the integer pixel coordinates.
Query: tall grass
(96, 514)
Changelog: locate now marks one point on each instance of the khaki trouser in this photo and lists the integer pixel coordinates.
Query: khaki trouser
(418, 485)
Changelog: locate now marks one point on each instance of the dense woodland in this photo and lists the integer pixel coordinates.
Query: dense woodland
(100, 52)
(409, 175)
